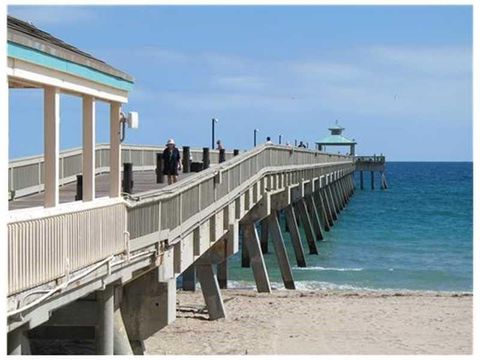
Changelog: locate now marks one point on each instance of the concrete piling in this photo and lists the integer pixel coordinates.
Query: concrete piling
(186, 159)
(280, 251)
(301, 208)
(17, 342)
(257, 262)
(372, 177)
(264, 236)
(189, 279)
(361, 180)
(104, 329)
(295, 236)
(211, 291)
(121, 344)
(312, 210)
(322, 210)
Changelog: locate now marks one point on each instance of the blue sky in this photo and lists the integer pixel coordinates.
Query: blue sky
(398, 78)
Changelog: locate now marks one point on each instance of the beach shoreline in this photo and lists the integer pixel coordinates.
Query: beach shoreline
(321, 322)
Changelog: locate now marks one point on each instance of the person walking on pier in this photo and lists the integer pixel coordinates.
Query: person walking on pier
(171, 161)
(269, 141)
(219, 145)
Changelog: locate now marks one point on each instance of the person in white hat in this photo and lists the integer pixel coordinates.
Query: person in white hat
(171, 161)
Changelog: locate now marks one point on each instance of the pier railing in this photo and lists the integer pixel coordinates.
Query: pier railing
(26, 175)
(48, 244)
(371, 159)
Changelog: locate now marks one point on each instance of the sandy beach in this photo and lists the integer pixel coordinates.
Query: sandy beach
(306, 322)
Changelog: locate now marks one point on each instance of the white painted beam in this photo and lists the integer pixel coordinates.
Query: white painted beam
(51, 145)
(88, 148)
(115, 152)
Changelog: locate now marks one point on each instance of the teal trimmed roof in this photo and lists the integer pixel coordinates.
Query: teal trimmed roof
(336, 140)
(28, 43)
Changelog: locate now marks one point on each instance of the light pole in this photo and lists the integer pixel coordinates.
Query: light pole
(255, 137)
(213, 132)
(280, 139)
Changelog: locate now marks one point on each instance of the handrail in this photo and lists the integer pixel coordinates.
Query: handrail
(47, 244)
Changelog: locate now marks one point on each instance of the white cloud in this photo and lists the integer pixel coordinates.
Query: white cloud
(52, 15)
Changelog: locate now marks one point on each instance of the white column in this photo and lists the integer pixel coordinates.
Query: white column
(51, 143)
(115, 152)
(88, 148)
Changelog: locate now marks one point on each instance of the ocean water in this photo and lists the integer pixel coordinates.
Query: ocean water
(417, 235)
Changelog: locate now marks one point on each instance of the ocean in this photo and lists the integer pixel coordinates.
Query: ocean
(417, 235)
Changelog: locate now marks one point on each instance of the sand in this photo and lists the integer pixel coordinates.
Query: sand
(306, 322)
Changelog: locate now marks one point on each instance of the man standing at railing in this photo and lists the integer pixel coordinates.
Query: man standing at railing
(171, 162)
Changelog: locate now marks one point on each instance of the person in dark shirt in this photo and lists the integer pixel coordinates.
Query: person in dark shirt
(302, 145)
(171, 161)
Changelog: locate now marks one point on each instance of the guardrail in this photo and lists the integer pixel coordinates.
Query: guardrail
(26, 175)
(370, 159)
(48, 244)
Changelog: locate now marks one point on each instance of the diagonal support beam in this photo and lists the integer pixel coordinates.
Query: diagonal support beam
(211, 291)
(312, 210)
(295, 236)
(280, 251)
(301, 207)
(257, 262)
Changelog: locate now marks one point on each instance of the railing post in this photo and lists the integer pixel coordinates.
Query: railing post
(115, 149)
(79, 192)
(221, 155)
(51, 144)
(206, 158)
(159, 169)
(236, 152)
(127, 183)
(186, 159)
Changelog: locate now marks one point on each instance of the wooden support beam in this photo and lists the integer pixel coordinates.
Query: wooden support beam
(295, 236)
(280, 251)
(257, 262)
(211, 291)
(301, 207)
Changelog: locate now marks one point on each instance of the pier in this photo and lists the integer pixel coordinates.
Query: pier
(106, 266)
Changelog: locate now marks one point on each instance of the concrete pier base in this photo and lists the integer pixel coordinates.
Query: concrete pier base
(295, 236)
(104, 329)
(148, 305)
(301, 208)
(257, 262)
(211, 291)
(280, 251)
(189, 279)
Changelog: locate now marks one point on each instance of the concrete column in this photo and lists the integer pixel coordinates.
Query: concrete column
(331, 201)
(211, 291)
(372, 177)
(252, 243)
(51, 111)
(264, 236)
(341, 200)
(115, 149)
(104, 328)
(328, 206)
(295, 236)
(301, 207)
(344, 189)
(280, 251)
(336, 196)
(222, 274)
(17, 342)
(361, 180)
(121, 344)
(189, 279)
(322, 210)
(245, 255)
(88, 155)
(312, 210)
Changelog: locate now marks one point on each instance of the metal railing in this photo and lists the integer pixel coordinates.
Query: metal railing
(47, 244)
(26, 175)
(370, 159)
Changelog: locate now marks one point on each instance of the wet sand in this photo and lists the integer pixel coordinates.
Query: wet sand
(306, 322)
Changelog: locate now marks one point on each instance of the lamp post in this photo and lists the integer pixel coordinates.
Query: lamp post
(280, 139)
(255, 137)
(213, 132)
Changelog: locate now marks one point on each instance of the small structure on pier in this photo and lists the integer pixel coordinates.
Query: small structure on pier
(336, 139)
(373, 164)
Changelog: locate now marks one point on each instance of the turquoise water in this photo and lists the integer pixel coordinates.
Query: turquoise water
(417, 235)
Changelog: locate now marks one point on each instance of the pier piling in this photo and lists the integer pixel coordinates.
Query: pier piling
(211, 291)
(312, 209)
(280, 251)
(301, 207)
(189, 279)
(257, 262)
(372, 177)
(104, 329)
(264, 230)
(361, 180)
(295, 236)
